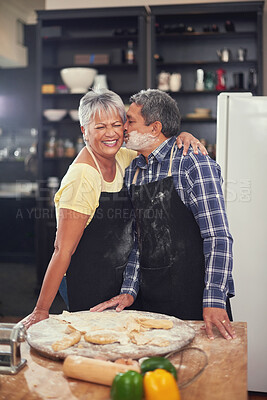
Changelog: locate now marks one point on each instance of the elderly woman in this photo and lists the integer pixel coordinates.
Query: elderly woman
(95, 241)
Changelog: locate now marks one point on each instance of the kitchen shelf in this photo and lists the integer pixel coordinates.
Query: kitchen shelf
(79, 95)
(83, 38)
(199, 120)
(104, 66)
(205, 92)
(206, 35)
(203, 63)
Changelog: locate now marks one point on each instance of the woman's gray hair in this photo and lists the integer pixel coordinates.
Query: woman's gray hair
(100, 100)
(159, 106)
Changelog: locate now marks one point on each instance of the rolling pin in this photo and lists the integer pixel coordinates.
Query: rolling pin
(92, 370)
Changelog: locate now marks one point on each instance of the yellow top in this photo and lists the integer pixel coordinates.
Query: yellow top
(81, 187)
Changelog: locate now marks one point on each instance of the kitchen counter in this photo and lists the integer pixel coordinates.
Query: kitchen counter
(225, 376)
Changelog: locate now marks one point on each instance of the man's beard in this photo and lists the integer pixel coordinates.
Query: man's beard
(140, 141)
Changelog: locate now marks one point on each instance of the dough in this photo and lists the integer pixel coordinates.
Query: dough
(141, 339)
(67, 341)
(155, 323)
(101, 337)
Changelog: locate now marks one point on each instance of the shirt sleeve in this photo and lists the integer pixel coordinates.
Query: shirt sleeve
(130, 283)
(204, 189)
(80, 190)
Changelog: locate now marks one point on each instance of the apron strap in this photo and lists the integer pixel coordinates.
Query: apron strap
(98, 168)
(135, 176)
(96, 163)
(170, 167)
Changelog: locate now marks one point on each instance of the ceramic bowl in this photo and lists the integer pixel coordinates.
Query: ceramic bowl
(78, 79)
(54, 115)
(203, 111)
(74, 115)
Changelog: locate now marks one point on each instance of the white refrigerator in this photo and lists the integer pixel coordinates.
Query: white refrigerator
(241, 151)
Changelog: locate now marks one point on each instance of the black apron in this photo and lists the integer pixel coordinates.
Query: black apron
(172, 264)
(96, 270)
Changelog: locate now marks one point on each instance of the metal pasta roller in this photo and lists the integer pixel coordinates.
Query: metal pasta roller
(11, 335)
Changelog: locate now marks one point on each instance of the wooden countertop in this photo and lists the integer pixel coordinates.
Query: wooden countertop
(225, 376)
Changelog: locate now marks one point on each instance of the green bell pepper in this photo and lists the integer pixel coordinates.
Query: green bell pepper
(152, 363)
(127, 386)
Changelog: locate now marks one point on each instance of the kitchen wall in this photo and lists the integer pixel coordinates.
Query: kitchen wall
(64, 4)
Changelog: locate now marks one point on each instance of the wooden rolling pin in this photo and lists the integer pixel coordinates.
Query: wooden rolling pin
(92, 370)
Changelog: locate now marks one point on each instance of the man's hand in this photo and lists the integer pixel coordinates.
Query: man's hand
(186, 139)
(121, 301)
(36, 316)
(219, 318)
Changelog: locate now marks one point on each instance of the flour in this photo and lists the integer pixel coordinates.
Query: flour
(140, 141)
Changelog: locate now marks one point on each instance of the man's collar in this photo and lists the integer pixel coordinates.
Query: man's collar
(159, 153)
(162, 150)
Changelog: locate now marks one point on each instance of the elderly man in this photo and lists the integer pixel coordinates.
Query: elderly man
(184, 240)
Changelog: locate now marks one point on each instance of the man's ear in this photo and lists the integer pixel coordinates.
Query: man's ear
(156, 128)
(83, 130)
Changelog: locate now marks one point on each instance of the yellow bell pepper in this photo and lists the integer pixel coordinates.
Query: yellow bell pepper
(160, 385)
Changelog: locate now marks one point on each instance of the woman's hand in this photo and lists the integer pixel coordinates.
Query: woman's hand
(121, 301)
(36, 316)
(185, 139)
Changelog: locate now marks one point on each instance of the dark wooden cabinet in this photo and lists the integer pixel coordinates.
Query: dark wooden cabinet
(186, 38)
(68, 38)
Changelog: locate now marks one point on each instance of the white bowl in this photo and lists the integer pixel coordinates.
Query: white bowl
(78, 79)
(74, 115)
(54, 115)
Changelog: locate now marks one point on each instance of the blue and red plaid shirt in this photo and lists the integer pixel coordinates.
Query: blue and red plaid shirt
(198, 182)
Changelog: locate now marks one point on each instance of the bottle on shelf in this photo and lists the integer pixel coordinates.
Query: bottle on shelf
(221, 79)
(209, 81)
(130, 53)
(50, 151)
(200, 80)
(69, 148)
(60, 151)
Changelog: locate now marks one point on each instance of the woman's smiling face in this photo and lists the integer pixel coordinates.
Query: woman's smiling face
(105, 133)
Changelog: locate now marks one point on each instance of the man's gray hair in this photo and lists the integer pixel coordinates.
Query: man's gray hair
(159, 106)
(97, 101)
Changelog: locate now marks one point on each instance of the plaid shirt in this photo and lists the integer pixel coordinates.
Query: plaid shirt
(197, 179)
